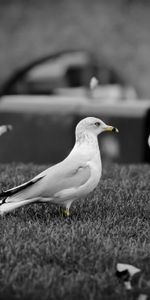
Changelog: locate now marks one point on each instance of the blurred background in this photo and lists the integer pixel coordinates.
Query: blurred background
(49, 51)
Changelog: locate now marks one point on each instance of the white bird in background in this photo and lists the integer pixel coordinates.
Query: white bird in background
(93, 83)
(76, 176)
(149, 140)
(5, 128)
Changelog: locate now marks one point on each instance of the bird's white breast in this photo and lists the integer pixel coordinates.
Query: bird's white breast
(93, 160)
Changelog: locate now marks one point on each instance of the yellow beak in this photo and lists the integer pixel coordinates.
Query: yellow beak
(111, 128)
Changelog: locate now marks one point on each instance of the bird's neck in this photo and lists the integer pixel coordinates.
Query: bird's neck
(87, 146)
(86, 138)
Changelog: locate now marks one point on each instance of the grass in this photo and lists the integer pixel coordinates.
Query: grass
(117, 31)
(44, 256)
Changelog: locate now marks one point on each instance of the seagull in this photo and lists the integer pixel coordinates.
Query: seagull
(93, 83)
(5, 128)
(74, 177)
(149, 140)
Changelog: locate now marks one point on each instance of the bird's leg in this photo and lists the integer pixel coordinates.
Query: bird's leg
(64, 212)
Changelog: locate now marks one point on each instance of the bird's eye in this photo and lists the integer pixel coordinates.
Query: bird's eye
(97, 124)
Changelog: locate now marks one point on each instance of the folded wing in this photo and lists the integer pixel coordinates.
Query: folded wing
(49, 183)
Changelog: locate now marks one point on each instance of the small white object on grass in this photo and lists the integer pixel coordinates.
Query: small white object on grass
(5, 128)
(73, 178)
(93, 83)
(131, 269)
(126, 272)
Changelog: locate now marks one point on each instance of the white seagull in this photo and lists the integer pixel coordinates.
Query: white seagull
(5, 128)
(76, 176)
(149, 140)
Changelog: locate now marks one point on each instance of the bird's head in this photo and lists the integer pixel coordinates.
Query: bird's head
(94, 126)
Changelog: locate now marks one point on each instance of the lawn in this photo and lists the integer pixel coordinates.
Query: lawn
(45, 256)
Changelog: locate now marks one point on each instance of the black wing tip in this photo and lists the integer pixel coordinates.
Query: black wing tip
(4, 194)
(20, 188)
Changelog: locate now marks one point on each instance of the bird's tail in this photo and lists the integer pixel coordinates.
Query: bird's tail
(6, 207)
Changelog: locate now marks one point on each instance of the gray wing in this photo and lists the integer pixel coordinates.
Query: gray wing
(20, 187)
(63, 178)
(60, 177)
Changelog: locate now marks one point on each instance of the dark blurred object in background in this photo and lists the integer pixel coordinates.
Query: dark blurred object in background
(68, 68)
(44, 128)
(62, 71)
(45, 100)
